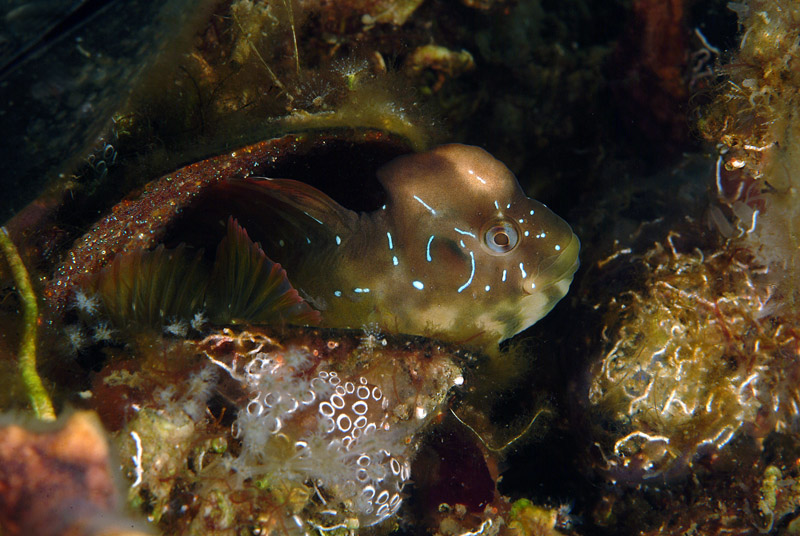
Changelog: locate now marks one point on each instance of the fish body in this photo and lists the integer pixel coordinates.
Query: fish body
(458, 251)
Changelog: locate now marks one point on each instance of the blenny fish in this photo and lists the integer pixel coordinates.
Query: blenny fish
(458, 251)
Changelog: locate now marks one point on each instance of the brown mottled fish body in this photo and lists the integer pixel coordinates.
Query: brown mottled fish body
(458, 252)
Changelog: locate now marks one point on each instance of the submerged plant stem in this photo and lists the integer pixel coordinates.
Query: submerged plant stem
(288, 4)
(42, 405)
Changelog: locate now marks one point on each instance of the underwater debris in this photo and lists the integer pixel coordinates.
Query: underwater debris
(528, 519)
(261, 69)
(749, 496)
(444, 62)
(340, 98)
(367, 12)
(503, 518)
(60, 480)
(251, 22)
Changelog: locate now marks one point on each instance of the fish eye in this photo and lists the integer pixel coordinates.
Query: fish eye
(501, 237)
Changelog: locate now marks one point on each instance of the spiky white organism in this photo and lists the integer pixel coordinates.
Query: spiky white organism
(313, 94)
(297, 360)
(200, 387)
(192, 398)
(166, 397)
(350, 66)
(176, 327)
(76, 339)
(102, 332)
(85, 302)
(371, 339)
(198, 321)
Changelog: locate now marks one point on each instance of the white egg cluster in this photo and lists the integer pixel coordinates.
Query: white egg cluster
(303, 425)
(277, 391)
(355, 419)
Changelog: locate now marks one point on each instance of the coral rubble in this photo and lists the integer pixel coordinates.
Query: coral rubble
(60, 481)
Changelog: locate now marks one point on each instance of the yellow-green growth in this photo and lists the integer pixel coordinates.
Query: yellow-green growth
(39, 398)
(528, 519)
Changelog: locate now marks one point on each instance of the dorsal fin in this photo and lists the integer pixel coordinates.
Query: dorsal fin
(284, 213)
(309, 201)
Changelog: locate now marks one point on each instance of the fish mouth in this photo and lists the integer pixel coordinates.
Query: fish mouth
(559, 267)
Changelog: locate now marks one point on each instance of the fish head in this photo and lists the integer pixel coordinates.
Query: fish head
(476, 241)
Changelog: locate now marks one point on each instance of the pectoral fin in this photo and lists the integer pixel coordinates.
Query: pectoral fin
(151, 288)
(247, 286)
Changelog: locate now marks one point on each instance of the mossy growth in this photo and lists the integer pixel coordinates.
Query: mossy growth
(696, 357)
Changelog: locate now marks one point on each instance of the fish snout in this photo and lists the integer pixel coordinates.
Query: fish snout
(556, 268)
